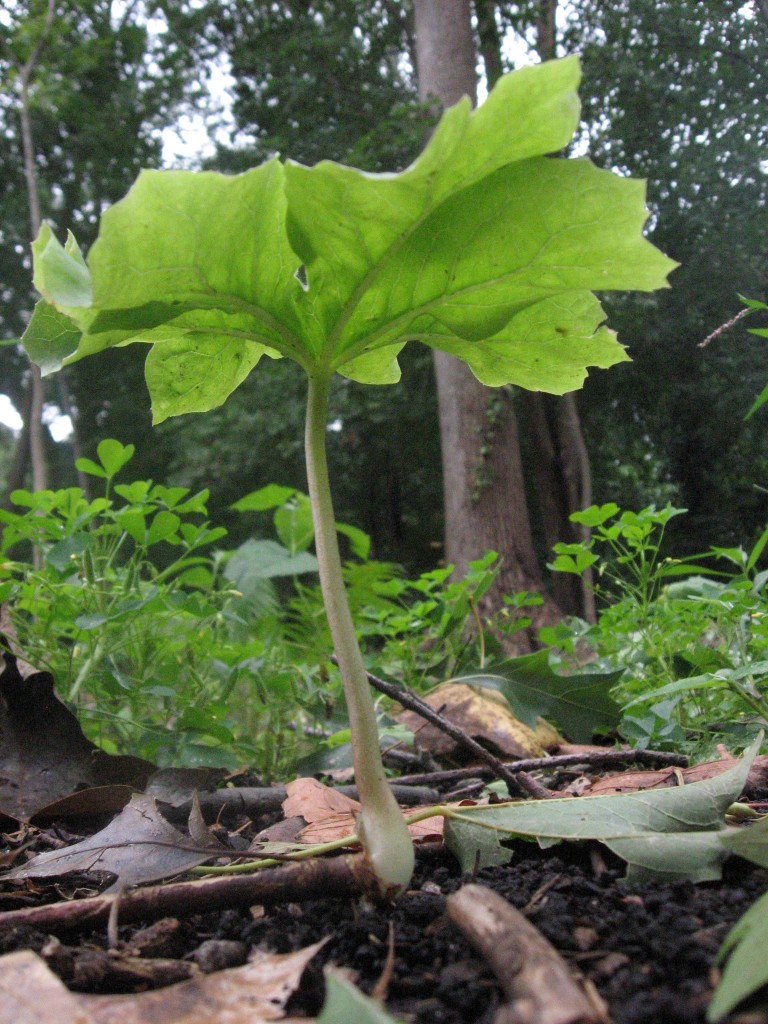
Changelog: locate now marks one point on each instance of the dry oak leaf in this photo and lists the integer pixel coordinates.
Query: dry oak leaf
(664, 778)
(331, 815)
(137, 846)
(482, 714)
(30, 993)
(252, 994)
(311, 800)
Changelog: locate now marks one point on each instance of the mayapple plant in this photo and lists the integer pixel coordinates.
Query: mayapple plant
(485, 248)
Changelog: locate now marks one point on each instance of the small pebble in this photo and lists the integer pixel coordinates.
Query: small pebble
(217, 954)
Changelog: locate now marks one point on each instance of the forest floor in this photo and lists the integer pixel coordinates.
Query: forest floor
(649, 950)
(77, 839)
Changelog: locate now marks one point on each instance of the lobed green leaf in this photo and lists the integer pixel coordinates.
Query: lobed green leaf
(486, 248)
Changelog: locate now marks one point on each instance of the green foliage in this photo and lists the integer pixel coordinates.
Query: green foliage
(696, 131)
(762, 398)
(172, 649)
(139, 623)
(206, 268)
(690, 634)
(320, 80)
(745, 969)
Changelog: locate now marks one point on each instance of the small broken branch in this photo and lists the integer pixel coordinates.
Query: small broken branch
(519, 782)
(593, 759)
(724, 327)
(537, 982)
(340, 877)
(256, 800)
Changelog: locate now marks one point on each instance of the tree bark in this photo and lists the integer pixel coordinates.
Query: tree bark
(25, 72)
(484, 489)
(553, 429)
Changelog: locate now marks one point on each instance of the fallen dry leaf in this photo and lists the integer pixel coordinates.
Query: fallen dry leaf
(311, 800)
(44, 754)
(252, 994)
(484, 716)
(139, 845)
(329, 815)
(663, 778)
(30, 993)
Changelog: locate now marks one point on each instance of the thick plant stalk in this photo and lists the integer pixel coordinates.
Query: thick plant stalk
(381, 825)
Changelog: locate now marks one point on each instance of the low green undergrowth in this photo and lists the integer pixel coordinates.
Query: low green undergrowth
(173, 649)
(691, 635)
(169, 647)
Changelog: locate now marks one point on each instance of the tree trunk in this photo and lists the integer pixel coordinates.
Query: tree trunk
(553, 430)
(36, 436)
(485, 504)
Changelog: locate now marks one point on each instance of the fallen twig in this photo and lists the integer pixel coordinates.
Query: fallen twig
(320, 877)
(253, 801)
(517, 782)
(593, 759)
(537, 982)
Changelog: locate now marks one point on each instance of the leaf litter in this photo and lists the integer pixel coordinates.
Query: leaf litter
(653, 829)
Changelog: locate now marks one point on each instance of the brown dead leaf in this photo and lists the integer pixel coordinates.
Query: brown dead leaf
(312, 801)
(329, 815)
(663, 778)
(481, 715)
(328, 829)
(44, 754)
(252, 994)
(139, 845)
(336, 826)
(30, 993)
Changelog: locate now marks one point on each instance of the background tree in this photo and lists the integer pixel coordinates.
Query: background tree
(485, 502)
(675, 92)
(104, 87)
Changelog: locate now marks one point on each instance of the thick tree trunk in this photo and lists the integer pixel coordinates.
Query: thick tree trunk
(485, 504)
(562, 478)
(553, 429)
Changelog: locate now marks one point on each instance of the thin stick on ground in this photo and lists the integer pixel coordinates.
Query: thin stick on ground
(517, 782)
(592, 759)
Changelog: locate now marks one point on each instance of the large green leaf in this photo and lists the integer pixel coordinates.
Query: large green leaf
(580, 704)
(672, 833)
(257, 560)
(486, 247)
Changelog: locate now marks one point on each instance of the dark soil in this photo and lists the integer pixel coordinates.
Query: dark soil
(649, 949)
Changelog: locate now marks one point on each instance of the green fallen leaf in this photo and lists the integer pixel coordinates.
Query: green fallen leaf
(746, 967)
(675, 833)
(345, 1004)
(474, 848)
(580, 704)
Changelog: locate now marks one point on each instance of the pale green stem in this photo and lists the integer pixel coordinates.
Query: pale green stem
(381, 826)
